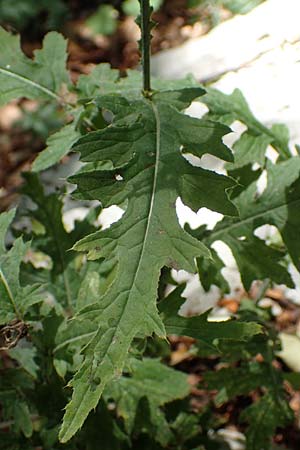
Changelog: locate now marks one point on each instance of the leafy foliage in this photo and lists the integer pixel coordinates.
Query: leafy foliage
(154, 383)
(272, 409)
(148, 236)
(28, 13)
(41, 78)
(15, 299)
(198, 327)
(96, 328)
(275, 205)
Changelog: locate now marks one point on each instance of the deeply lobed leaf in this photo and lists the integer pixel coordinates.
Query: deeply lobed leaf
(228, 108)
(41, 78)
(270, 412)
(145, 147)
(15, 299)
(277, 205)
(149, 379)
(198, 327)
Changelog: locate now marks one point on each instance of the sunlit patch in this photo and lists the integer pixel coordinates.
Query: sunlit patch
(262, 183)
(268, 233)
(72, 215)
(255, 166)
(208, 162)
(202, 217)
(197, 110)
(110, 215)
(272, 154)
(39, 260)
(230, 272)
(237, 129)
(195, 299)
(293, 294)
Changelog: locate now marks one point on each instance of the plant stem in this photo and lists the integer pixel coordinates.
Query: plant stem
(145, 44)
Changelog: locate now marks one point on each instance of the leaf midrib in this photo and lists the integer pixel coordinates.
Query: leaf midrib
(67, 435)
(142, 385)
(30, 83)
(60, 253)
(9, 293)
(152, 200)
(214, 235)
(78, 337)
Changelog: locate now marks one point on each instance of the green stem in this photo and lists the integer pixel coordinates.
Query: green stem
(145, 44)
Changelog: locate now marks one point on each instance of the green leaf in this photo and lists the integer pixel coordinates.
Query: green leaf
(49, 214)
(103, 80)
(268, 265)
(103, 427)
(58, 145)
(249, 149)
(45, 77)
(5, 221)
(241, 6)
(148, 237)
(228, 108)
(293, 378)
(103, 21)
(132, 8)
(15, 299)
(199, 327)
(14, 385)
(21, 15)
(264, 417)
(18, 14)
(155, 381)
(56, 241)
(277, 205)
(41, 78)
(22, 419)
(98, 277)
(210, 272)
(224, 381)
(25, 357)
(77, 332)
